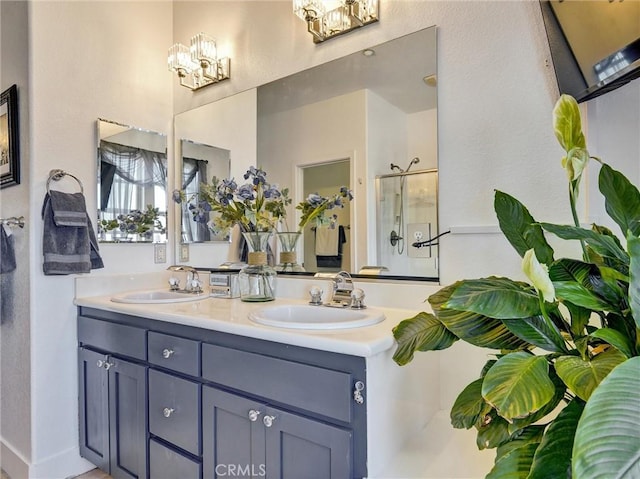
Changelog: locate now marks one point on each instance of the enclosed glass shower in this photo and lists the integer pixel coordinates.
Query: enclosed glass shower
(407, 219)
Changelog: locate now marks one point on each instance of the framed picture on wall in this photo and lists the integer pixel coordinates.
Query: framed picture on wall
(9, 151)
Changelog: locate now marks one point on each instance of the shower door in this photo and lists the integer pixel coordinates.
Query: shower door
(406, 219)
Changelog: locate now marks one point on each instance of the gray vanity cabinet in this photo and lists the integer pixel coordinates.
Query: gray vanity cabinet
(113, 414)
(261, 440)
(168, 401)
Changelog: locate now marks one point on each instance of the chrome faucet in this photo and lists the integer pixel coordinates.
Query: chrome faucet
(193, 284)
(344, 294)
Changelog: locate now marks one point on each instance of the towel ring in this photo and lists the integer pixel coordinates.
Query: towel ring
(57, 175)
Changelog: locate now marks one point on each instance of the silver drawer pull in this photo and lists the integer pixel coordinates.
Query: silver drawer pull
(268, 420)
(253, 415)
(100, 363)
(358, 397)
(167, 353)
(166, 412)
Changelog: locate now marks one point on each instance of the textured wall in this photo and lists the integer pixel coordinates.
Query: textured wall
(15, 388)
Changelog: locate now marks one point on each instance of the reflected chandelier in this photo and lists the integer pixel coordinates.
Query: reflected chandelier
(199, 65)
(330, 18)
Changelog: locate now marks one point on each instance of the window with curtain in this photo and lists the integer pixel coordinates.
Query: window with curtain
(132, 178)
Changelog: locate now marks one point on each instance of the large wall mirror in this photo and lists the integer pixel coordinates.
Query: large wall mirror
(367, 121)
(132, 184)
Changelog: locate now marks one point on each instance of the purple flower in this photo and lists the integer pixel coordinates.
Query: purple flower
(258, 175)
(346, 192)
(245, 192)
(314, 200)
(272, 192)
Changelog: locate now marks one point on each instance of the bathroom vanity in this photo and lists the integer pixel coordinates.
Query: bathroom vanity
(196, 390)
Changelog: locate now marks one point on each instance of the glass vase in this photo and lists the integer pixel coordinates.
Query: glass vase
(288, 256)
(257, 280)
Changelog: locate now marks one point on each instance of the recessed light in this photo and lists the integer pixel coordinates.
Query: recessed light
(368, 52)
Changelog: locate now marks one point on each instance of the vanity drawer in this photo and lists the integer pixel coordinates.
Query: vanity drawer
(172, 352)
(166, 463)
(310, 388)
(114, 338)
(174, 410)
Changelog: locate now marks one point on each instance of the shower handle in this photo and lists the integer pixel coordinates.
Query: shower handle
(394, 238)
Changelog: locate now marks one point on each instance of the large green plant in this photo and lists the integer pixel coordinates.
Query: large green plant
(567, 342)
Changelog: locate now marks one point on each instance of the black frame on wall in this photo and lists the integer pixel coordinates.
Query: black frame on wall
(9, 138)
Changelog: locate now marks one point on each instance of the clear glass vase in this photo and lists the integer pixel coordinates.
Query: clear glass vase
(288, 256)
(257, 280)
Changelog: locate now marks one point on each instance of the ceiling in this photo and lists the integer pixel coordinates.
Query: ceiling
(395, 71)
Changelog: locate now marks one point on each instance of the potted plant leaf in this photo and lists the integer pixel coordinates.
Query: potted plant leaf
(561, 397)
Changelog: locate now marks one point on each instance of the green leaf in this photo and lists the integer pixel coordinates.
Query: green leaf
(520, 228)
(518, 385)
(473, 328)
(498, 298)
(493, 432)
(622, 199)
(581, 376)
(579, 318)
(553, 456)
(625, 324)
(423, 332)
(514, 458)
(616, 339)
(633, 244)
(536, 331)
(572, 280)
(567, 124)
(607, 440)
(604, 245)
(558, 395)
(469, 407)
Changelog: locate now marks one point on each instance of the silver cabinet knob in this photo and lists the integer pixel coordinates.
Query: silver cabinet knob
(104, 364)
(253, 415)
(268, 420)
(167, 412)
(167, 353)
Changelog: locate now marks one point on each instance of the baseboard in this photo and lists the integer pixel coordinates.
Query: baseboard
(64, 465)
(12, 462)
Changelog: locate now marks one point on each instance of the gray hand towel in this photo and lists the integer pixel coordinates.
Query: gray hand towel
(7, 251)
(69, 245)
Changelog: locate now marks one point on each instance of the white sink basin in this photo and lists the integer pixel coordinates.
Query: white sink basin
(302, 316)
(159, 296)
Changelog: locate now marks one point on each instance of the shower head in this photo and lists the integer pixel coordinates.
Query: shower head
(413, 162)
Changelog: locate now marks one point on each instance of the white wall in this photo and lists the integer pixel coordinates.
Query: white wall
(88, 60)
(15, 363)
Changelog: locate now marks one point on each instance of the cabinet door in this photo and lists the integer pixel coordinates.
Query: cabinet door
(94, 408)
(302, 448)
(232, 435)
(127, 419)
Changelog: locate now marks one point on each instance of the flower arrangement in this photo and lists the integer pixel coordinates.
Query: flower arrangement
(255, 206)
(137, 221)
(315, 206)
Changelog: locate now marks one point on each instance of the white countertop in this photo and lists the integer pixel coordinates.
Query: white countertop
(231, 316)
